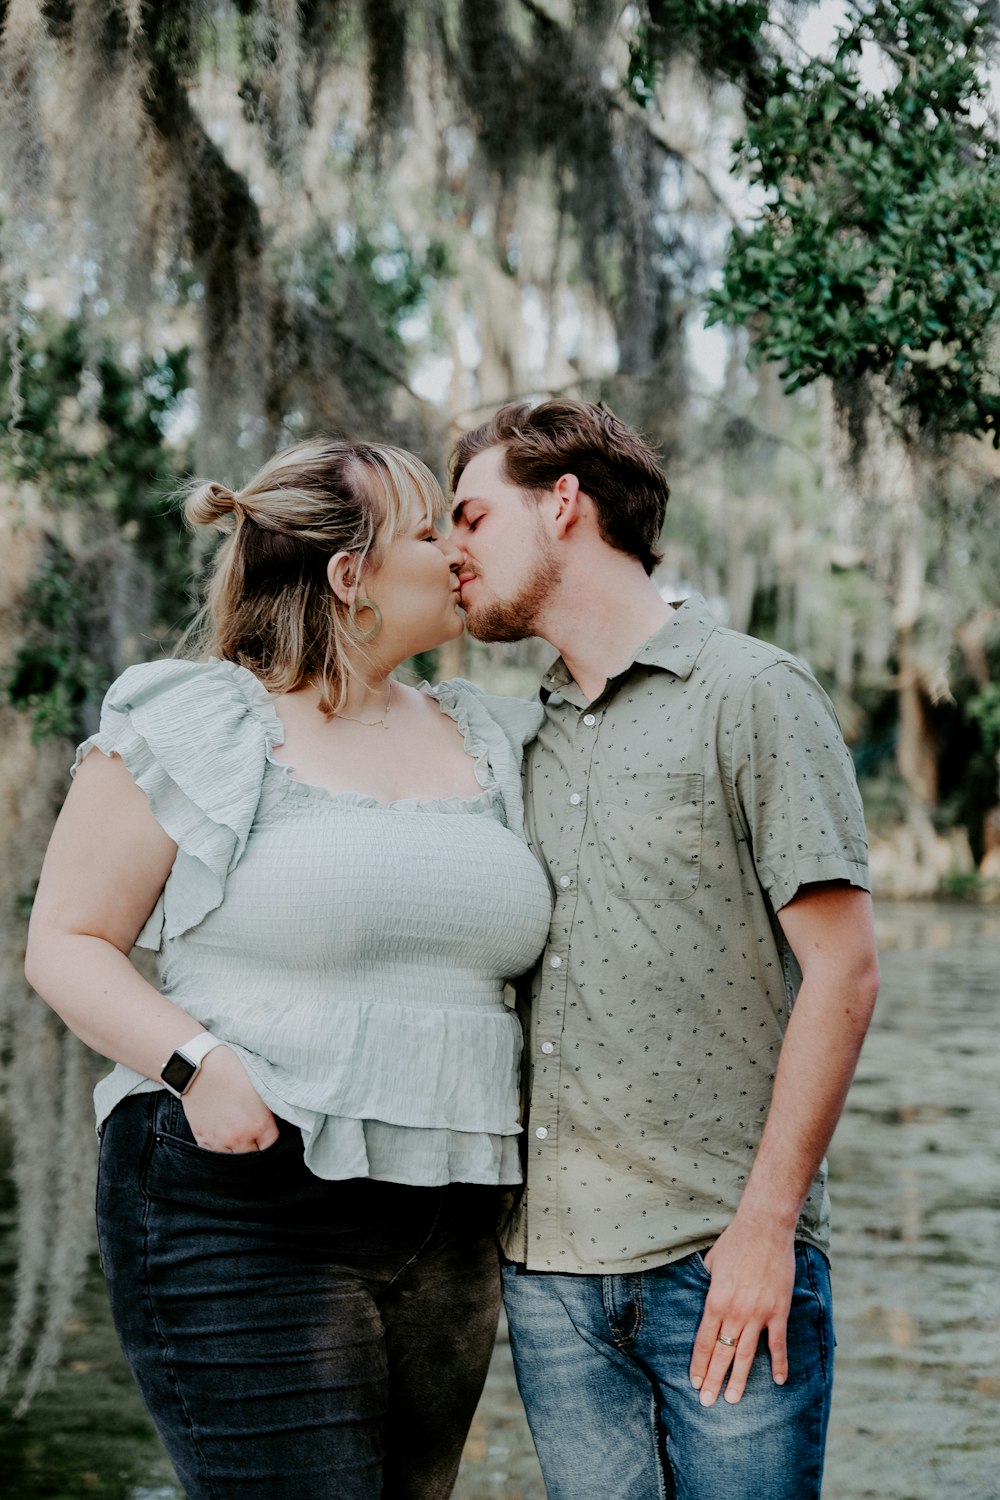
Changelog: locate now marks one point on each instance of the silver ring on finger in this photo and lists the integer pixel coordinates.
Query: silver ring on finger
(725, 1339)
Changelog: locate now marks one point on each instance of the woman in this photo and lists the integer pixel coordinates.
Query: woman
(309, 1124)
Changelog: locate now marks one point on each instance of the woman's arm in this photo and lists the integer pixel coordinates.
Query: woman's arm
(107, 862)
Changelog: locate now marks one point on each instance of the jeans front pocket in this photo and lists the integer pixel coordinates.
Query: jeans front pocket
(650, 830)
(178, 1170)
(810, 1320)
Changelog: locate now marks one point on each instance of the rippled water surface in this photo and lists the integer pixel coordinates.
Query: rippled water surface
(916, 1183)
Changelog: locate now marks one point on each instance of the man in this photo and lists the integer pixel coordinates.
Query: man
(693, 801)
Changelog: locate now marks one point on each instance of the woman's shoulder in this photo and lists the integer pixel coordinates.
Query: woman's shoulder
(195, 738)
(519, 719)
(205, 727)
(179, 702)
(211, 681)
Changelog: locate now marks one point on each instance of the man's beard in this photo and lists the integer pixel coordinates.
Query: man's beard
(517, 618)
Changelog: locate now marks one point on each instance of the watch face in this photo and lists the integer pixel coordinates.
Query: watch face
(178, 1072)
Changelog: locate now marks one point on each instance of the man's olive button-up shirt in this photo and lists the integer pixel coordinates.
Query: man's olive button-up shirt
(676, 814)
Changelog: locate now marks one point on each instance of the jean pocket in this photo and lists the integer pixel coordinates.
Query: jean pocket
(179, 1170)
(810, 1319)
(697, 1259)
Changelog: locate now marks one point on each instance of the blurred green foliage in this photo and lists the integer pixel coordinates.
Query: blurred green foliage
(984, 709)
(878, 249)
(90, 434)
(369, 280)
(726, 38)
(52, 674)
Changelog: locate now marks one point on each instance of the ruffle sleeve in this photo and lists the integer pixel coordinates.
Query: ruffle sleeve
(195, 737)
(496, 730)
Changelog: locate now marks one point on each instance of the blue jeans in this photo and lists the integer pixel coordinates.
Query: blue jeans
(293, 1338)
(602, 1367)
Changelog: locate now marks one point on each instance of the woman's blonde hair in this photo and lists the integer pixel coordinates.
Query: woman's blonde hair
(269, 605)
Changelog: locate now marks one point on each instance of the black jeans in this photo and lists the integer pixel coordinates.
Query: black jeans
(293, 1338)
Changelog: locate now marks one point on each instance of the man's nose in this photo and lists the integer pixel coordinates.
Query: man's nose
(458, 536)
(452, 552)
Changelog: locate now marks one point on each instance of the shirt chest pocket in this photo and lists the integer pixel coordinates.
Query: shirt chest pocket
(650, 833)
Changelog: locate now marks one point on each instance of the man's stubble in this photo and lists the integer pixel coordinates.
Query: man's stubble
(517, 618)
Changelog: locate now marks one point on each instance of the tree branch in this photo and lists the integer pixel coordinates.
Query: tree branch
(616, 100)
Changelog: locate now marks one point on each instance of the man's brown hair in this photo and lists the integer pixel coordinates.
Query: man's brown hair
(614, 465)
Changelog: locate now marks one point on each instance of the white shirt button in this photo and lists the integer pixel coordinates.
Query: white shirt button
(556, 962)
(565, 881)
(548, 1047)
(589, 720)
(575, 800)
(541, 1132)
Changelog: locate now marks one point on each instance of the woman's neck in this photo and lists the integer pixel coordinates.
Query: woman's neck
(368, 700)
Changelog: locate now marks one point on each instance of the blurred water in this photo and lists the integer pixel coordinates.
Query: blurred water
(916, 1183)
(915, 1169)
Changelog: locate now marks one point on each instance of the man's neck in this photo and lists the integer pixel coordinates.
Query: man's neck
(598, 624)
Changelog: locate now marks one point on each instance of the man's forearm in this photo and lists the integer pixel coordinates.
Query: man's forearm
(818, 1058)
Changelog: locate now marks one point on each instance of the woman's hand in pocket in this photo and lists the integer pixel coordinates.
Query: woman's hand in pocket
(223, 1108)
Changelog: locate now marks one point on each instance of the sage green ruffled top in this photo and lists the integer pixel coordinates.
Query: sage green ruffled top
(354, 955)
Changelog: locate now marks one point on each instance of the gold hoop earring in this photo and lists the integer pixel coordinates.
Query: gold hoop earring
(373, 629)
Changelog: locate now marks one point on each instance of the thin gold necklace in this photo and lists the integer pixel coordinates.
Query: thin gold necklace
(380, 723)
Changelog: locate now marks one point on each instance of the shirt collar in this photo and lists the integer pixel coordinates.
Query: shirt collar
(675, 647)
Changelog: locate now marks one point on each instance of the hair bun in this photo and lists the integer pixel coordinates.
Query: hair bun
(209, 503)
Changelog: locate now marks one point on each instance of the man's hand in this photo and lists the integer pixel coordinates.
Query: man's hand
(753, 1274)
(223, 1108)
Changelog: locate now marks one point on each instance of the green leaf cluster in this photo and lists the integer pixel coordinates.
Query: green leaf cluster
(53, 675)
(984, 710)
(65, 387)
(642, 74)
(90, 435)
(377, 280)
(725, 37)
(878, 250)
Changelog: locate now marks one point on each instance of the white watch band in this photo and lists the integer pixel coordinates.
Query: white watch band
(199, 1047)
(182, 1066)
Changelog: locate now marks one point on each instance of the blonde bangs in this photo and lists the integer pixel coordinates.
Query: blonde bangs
(396, 481)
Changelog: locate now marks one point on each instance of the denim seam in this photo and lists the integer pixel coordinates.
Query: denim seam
(813, 1417)
(607, 1301)
(154, 1320)
(418, 1252)
(822, 1320)
(640, 1310)
(621, 1344)
(659, 1451)
(622, 1340)
(655, 1416)
(97, 1198)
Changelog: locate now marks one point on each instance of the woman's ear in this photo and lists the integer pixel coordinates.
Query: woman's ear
(342, 574)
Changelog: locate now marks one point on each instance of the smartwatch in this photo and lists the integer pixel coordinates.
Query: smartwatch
(179, 1071)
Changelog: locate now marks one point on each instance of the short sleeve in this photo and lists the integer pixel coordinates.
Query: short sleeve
(497, 728)
(794, 785)
(195, 737)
